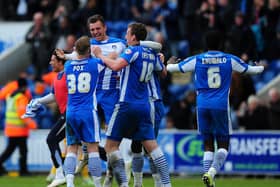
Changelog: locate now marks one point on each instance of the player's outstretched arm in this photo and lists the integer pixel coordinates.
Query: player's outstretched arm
(70, 56)
(255, 69)
(151, 44)
(172, 64)
(49, 98)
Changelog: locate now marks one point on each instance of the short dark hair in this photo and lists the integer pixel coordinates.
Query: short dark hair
(95, 18)
(139, 30)
(22, 82)
(58, 58)
(214, 40)
(82, 45)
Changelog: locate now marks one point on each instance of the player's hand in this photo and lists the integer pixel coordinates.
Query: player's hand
(161, 57)
(113, 55)
(173, 60)
(260, 63)
(96, 51)
(32, 109)
(117, 77)
(60, 53)
(33, 105)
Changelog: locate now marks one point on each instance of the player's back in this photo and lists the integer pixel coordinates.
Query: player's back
(212, 79)
(82, 76)
(142, 62)
(107, 78)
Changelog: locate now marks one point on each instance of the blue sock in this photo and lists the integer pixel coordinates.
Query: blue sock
(152, 165)
(137, 162)
(117, 163)
(94, 164)
(207, 160)
(219, 158)
(161, 165)
(70, 163)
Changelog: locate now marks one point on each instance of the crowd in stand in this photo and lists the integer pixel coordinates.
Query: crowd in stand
(251, 31)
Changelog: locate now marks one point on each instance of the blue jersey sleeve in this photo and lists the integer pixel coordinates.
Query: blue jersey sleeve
(238, 64)
(188, 64)
(130, 54)
(159, 64)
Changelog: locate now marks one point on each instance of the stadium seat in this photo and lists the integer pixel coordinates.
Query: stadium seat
(177, 91)
(259, 85)
(1, 46)
(268, 76)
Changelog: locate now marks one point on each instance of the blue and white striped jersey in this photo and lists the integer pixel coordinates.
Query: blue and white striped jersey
(82, 76)
(154, 85)
(213, 71)
(135, 77)
(108, 78)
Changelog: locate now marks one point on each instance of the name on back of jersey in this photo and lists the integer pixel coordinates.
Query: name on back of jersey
(78, 68)
(148, 56)
(214, 60)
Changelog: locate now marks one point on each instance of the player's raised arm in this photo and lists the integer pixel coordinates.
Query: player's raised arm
(241, 67)
(114, 64)
(255, 69)
(151, 44)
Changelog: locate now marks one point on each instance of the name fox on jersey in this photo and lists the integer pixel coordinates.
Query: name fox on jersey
(78, 68)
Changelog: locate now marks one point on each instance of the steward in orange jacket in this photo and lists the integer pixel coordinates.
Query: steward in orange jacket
(16, 128)
(9, 88)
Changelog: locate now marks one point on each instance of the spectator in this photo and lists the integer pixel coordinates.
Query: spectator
(80, 16)
(137, 7)
(274, 108)
(271, 48)
(165, 19)
(39, 38)
(257, 22)
(61, 27)
(181, 115)
(188, 20)
(70, 42)
(225, 14)
(241, 88)
(207, 16)
(8, 9)
(253, 115)
(240, 39)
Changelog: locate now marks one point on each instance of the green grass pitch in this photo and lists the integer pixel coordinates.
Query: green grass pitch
(189, 181)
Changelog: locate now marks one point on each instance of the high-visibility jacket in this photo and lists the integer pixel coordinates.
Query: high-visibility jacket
(9, 88)
(49, 77)
(15, 126)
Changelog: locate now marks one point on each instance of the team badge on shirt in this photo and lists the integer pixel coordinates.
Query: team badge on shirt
(127, 51)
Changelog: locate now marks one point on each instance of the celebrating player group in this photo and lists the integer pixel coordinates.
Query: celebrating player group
(120, 79)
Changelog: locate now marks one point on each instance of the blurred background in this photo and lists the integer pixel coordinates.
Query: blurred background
(251, 31)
